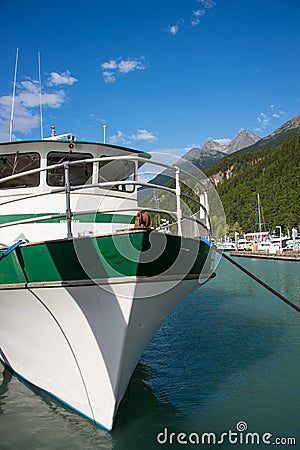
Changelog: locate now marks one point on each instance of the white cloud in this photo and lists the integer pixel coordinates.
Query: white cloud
(264, 120)
(27, 102)
(130, 65)
(56, 78)
(173, 29)
(119, 138)
(194, 17)
(112, 64)
(28, 96)
(114, 68)
(207, 3)
(144, 135)
(140, 135)
(199, 12)
(109, 77)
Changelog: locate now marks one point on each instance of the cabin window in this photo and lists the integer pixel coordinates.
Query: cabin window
(79, 173)
(14, 163)
(117, 170)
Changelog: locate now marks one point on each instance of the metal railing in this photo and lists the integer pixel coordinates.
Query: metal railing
(68, 189)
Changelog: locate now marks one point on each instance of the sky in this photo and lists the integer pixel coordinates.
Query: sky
(162, 75)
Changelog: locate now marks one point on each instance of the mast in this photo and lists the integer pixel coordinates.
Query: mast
(13, 98)
(259, 214)
(40, 85)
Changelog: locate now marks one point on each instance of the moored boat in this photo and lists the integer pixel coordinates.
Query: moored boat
(83, 284)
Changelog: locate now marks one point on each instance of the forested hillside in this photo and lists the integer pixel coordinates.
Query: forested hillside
(274, 173)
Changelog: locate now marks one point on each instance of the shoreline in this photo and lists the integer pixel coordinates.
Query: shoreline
(286, 256)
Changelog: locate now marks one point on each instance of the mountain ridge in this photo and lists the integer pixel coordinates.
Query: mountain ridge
(212, 151)
(278, 136)
(245, 141)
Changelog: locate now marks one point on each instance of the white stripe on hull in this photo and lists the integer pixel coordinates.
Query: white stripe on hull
(82, 343)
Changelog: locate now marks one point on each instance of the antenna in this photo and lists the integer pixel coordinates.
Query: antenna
(13, 98)
(40, 84)
(104, 134)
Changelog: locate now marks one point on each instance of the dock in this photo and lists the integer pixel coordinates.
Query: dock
(289, 255)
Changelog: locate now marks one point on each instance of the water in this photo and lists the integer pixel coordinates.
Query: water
(228, 354)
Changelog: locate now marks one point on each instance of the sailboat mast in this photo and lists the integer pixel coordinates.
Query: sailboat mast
(13, 98)
(259, 213)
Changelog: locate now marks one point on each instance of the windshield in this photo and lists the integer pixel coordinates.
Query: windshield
(118, 170)
(79, 174)
(14, 163)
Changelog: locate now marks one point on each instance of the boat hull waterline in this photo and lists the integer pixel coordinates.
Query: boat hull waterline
(77, 314)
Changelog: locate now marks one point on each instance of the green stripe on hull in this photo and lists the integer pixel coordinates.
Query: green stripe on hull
(86, 218)
(120, 255)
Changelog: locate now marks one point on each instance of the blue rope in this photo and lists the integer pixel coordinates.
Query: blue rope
(11, 249)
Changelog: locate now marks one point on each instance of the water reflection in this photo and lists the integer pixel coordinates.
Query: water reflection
(6, 377)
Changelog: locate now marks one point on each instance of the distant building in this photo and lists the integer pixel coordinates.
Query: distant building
(259, 235)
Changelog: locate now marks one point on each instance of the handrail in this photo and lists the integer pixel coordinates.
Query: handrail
(69, 188)
(105, 184)
(96, 211)
(102, 159)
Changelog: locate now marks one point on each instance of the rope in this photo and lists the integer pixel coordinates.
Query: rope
(11, 249)
(258, 280)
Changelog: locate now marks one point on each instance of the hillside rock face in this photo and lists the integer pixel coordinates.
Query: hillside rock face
(287, 126)
(204, 157)
(242, 140)
(212, 151)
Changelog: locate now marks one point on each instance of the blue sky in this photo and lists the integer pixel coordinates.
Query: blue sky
(163, 75)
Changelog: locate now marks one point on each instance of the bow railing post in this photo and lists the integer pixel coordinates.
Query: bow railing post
(178, 198)
(207, 222)
(68, 199)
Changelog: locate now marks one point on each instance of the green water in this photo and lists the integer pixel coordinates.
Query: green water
(228, 354)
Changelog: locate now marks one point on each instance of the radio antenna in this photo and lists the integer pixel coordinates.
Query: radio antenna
(13, 98)
(40, 84)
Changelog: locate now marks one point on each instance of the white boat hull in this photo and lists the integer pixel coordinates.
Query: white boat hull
(82, 343)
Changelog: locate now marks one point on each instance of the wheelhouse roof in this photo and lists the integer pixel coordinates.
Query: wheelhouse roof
(76, 142)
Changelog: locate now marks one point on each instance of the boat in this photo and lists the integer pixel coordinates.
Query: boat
(84, 286)
(267, 246)
(226, 246)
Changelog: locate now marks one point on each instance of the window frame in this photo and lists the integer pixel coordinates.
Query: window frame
(35, 176)
(60, 170)
(119, 187)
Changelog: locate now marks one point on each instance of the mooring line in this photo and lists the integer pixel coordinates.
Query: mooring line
(258, 280)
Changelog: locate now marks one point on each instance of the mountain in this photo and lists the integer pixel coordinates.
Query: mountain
(246, 141)
(209, 154)
(212, 151)
(277, 137)
(245, 138)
